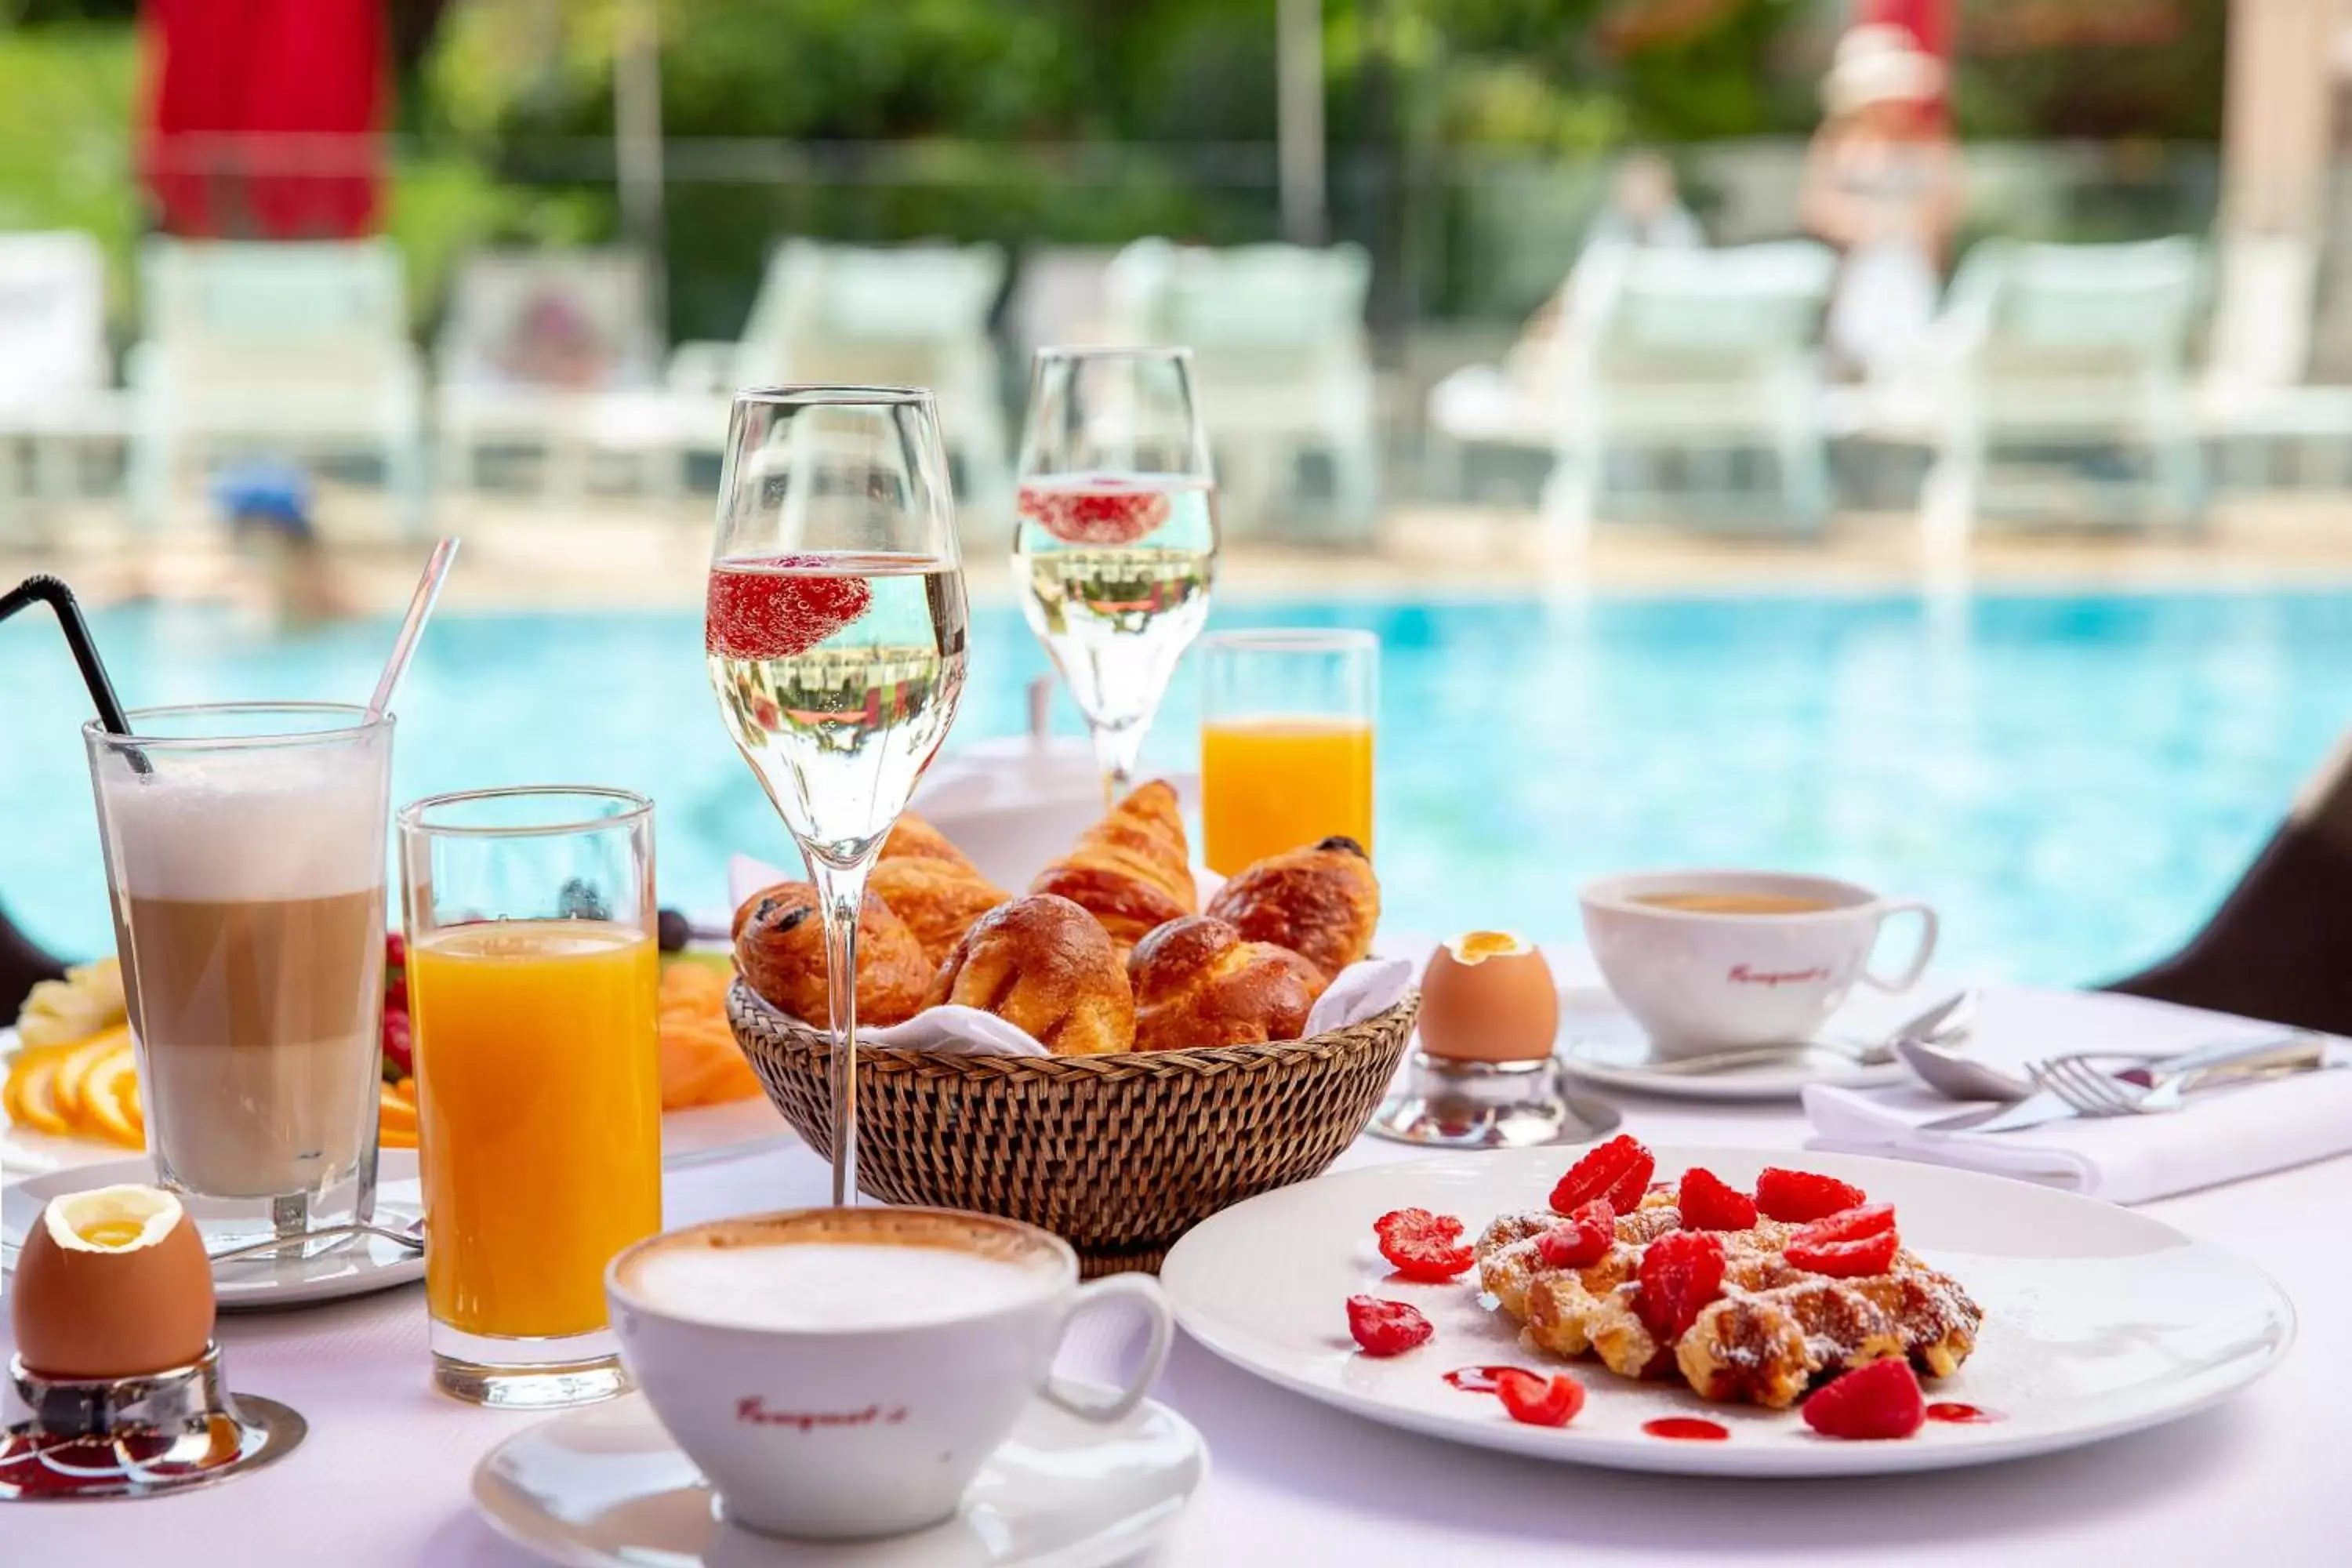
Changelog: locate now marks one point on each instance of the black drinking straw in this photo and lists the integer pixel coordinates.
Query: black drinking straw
(42, 588)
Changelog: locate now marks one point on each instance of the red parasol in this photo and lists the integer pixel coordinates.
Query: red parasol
(264, 117)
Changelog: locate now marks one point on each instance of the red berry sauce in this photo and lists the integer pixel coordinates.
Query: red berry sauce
(1961, 1415)
(1687, 1430)
(1477, 1379)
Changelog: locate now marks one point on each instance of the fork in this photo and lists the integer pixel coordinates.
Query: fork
(2091, 1092)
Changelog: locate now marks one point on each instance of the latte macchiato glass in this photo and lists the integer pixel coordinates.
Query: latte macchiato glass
(245, 856)
(842, 1373)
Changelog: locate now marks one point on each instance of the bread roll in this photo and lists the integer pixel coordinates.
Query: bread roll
(1132, 871)
(780, 950)
(1045, 965)
(1322, 904)
(1198, 982)
(929, 883)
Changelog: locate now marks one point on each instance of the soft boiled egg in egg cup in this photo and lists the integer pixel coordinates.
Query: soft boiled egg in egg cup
(1480, 1075)
(111, 1301)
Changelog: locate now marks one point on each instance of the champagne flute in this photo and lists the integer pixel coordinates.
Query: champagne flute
(1115, 546)
(834, 630)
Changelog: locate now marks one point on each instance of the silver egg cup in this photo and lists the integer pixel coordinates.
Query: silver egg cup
(66, 1438)
(1444, 1103)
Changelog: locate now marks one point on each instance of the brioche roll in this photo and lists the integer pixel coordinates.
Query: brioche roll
(1198, 982)
(1044, 965)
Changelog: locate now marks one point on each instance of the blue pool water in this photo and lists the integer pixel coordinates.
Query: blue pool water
(2073, 779)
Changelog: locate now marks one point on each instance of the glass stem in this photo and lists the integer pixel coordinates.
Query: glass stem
(841, 892)
(1116, 752)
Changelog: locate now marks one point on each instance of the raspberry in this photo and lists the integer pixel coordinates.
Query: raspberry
(1801, 1195)
(396, 950)
(1104, 511)
(1617, 1171)
(1710, 1202)
(1581, 1240)
(1424, 1246)
(779, 606)
(399, 1043)
(1386, 1328)
(1848, 1245)
(1881, 1400)
(1538, 1401)
(1682, 1271)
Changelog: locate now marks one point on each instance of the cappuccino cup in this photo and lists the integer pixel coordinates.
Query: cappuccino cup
(1712, 960)
(843, 1372)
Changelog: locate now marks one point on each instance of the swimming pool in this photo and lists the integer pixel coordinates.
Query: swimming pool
(2072, 778)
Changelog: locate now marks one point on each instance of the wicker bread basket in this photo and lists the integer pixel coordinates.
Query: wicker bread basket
(1118, 1154)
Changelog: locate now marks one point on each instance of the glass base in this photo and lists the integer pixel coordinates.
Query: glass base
(527, 1374)
(341, 1198)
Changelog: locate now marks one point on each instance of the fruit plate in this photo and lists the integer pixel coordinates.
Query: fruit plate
(2098, 1321)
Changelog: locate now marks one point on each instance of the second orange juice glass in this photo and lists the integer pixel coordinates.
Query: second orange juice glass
(1286, 741)
(532, 973)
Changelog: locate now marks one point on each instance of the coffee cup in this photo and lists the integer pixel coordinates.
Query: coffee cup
(843, 1372)
(1716, 960)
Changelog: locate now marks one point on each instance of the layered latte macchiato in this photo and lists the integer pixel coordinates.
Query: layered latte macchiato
(248, 897)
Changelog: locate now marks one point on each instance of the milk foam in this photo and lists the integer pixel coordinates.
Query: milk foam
(829, 1284)
(274, 823)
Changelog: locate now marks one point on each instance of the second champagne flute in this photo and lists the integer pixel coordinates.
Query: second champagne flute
(1115, 546)
(835, 631)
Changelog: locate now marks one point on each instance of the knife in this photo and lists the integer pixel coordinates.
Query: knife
(2301, 1052)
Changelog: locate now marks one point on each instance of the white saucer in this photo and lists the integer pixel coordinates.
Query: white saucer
(357, 1266)
(2098, 1321)
(605, 1486)
(1600, 1045)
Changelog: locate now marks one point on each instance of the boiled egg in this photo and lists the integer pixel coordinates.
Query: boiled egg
(1488, 996)
(112, 1282)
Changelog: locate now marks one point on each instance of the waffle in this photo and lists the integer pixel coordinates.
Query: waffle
(1776, 1330)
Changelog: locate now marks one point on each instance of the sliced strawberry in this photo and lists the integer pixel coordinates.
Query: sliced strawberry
(1682, 1271)
(1424, 1246)
(779, 607)
(1876, 1402)
(1538, 1401)
(1581, 1240)
(1709, 1203)
(1801, 1195)
(1618, 1172)
(1848, 1245)
(1386, 1328)
(1101, 511)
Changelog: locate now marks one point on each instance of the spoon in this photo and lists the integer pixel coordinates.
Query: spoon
(1958, 1077)
(410, 1236)
(1947, 1019)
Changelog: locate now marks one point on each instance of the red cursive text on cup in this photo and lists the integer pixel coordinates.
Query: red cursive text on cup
(753, 1411)
(1742, 975)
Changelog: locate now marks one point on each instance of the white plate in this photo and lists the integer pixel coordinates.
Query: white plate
(701, 1136)
(2097, 1320)
(1600, 1045)
(605, 1486)
(357, 1266)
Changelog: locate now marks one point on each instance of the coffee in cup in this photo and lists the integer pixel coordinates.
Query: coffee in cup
(1716, 960)
(844, 1372)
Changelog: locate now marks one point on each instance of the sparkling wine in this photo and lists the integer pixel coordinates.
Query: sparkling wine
(839, 675)
(1114, 573)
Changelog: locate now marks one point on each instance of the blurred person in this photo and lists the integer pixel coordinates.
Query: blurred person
(268, 506)
(1644, 211)
(1882, 184)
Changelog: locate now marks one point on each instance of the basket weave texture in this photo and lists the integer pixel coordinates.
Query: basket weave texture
(1118, 1155)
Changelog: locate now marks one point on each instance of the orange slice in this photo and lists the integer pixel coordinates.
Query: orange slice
(109, 1101)
(74, 1069)
(36, 1084)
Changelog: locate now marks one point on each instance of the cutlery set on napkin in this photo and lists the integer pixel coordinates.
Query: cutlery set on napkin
(2156, 1108)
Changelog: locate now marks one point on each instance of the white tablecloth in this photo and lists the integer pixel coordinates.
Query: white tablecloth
(384, 1477)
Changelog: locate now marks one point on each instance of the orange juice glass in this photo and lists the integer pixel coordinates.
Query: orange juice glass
(1286, 741)
(533, 975)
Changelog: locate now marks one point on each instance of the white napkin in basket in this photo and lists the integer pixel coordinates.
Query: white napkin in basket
(1362, 991)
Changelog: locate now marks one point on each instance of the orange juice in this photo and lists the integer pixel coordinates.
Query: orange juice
(539, 1112)
(1272, 784)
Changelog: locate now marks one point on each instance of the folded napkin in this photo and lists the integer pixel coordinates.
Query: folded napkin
(1360, 990)
(2226, 1134)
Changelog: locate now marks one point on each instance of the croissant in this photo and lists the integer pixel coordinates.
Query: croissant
(1198, 982)
(1132, 871)
(780, 949)
(928, 883)
(1045, 965)
(1320, 903)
